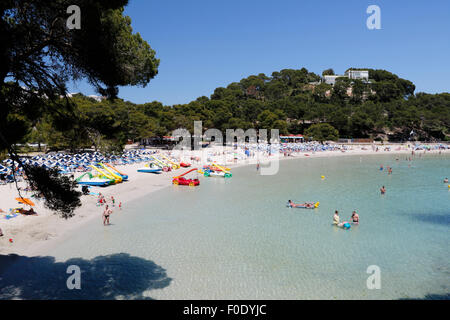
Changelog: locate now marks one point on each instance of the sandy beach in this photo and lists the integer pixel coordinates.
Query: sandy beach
(32, 235)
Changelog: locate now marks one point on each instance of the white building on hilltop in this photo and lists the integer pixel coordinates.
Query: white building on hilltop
(331, 79)
(358, 74)
(351, 74)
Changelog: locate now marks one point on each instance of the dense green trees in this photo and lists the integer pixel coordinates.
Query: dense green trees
(286, 101)
(322, 132)
(328, 72)
(39, 54)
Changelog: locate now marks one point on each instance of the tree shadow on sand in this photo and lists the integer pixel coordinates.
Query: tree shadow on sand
(104, 277)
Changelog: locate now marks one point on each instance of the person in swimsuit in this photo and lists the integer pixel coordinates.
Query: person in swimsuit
(446, 180)
(355, 217)
(291, 204)
(336, 218)
(383, 190)
(344, 225)
(295, 205)
(106, 215)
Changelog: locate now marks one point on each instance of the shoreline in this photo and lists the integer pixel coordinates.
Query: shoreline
(35, 235)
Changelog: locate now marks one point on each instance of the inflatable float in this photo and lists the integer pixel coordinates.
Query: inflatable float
(308, 205)
(344, 225)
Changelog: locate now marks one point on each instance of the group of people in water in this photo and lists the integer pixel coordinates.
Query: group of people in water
(336, 219)
(345, 224)
(354, 219)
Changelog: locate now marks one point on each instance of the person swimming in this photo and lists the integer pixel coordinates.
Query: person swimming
(383, 190)
(446, 180)
(344, 225)
(303, 205)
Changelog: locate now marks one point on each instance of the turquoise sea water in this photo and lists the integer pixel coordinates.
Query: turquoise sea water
(236, 239)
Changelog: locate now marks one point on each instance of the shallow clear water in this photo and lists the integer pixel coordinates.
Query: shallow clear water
(236, 239)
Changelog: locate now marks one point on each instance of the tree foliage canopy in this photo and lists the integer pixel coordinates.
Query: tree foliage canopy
(322, 132)
(39, 55)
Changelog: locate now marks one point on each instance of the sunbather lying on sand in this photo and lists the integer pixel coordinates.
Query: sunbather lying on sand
(27, 212)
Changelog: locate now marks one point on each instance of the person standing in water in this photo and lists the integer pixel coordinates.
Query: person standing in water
(355, 217)
(383, 190)
(257, 166)
(336, 218)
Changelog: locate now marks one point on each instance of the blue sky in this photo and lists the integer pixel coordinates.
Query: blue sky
(205, 44)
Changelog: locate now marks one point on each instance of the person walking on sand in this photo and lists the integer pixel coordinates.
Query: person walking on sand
(257, 166)
(113, 201)
(120, 205)
(106, 213)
